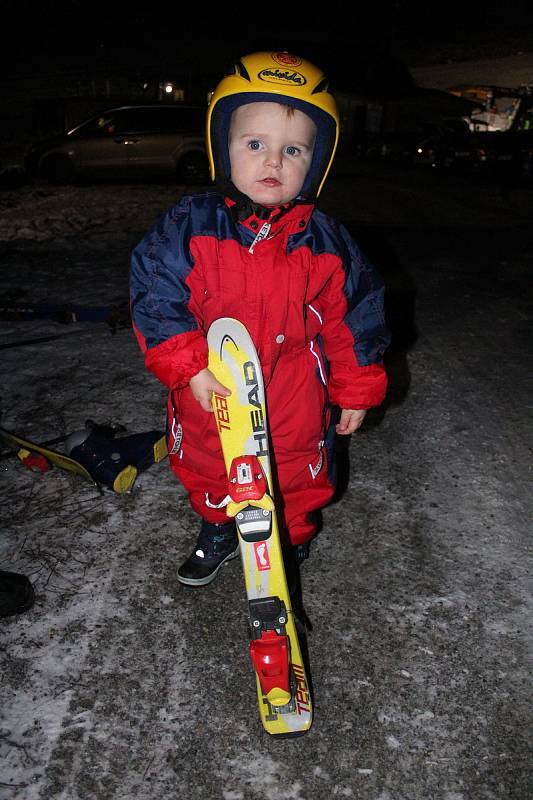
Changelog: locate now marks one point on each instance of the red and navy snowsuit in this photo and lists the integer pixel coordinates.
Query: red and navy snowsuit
(314, 309)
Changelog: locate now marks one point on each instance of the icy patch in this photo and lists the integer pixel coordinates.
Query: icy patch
(422, 718)
(166, 600)
(46, 214)
(393, 742)
(265, 777)
(41, 708)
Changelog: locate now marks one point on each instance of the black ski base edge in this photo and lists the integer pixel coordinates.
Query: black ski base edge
(291, 735)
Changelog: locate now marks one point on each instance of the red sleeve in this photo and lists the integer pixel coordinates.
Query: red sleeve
(177, 360)
(354, 333)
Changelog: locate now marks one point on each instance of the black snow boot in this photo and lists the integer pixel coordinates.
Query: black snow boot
(216, 544)
(115, 462)
(300, 552)
(294, 557)
(16, 593)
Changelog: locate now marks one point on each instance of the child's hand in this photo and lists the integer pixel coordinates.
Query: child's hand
(203, 384)
(350, 420)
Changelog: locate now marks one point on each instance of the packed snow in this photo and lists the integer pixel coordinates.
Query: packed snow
(120, 683)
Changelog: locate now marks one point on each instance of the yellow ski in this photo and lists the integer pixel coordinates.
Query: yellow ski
(154, 451)
(25, 447)
(282, 688)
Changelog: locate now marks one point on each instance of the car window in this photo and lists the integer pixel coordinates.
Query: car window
(144, 120)
(183, 118)
(127, 120)
(169, 119)
(98, 126)
(165, 119)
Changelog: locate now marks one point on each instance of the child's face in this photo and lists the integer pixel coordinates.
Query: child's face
(270, 152)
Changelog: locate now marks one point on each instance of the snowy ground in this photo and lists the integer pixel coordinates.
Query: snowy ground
(120, 683)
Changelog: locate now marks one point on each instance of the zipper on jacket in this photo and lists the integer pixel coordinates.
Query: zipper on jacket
(263, 233)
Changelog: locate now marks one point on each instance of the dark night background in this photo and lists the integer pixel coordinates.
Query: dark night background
(119, 683)
(71, 34)
(63, 50)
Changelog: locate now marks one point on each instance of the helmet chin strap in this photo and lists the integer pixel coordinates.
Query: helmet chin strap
(244, 207)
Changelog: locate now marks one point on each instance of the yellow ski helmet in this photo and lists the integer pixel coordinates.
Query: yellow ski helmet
(278, 77)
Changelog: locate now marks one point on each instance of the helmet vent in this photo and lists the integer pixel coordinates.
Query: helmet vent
(242, 71)
(321, 87)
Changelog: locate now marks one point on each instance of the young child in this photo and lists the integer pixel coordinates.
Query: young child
(258, 250)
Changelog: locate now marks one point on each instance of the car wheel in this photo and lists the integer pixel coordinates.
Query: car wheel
(448, 161)
(57, 169)
(193, 168)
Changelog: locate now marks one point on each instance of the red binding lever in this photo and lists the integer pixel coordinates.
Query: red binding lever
(246, 479)
(270, 658)
(35, 461)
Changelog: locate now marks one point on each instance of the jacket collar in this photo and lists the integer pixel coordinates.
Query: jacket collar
(253, 216)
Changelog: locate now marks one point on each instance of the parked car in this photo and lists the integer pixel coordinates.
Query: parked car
(451, 144)
(128, 141)
(397, 147)
(507, 153)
